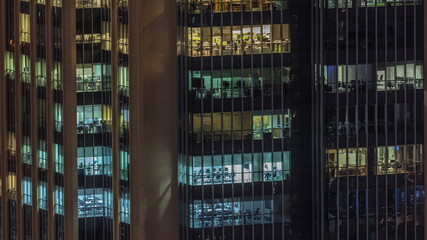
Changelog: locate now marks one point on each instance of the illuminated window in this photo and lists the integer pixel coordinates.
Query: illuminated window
(25, 27)
(246, 125)
(238, 168)
(93, 77)
(217, 6)
(43, 195)
(58, 158)
(94, 161)
(238, 211)
(95, 202)
(346, 162)
(399, 159)
(93, 119)
(238, 40)
(59, 200)
(27, 191)
(370, 3)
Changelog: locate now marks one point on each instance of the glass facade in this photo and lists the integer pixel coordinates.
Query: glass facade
(36, 160)
(298, 119)
(244, 111)
(369, 120)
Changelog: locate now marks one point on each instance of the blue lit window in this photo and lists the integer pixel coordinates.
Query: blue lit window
(27, 190)
(125, 208)
(42, 155)
(95, 202)
(124, 165)
(59, 200)
(241, 211)
(237, 168)
(43, 195)
(58, 158)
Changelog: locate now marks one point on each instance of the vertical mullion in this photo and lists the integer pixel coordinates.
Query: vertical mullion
(34, 121)
(18, 122)
(365, 110)
(221, 75)
(50, 120)
(271, 116)
(416, 160)
(375, 110)
(114, 24)
(346, 123)
(252, 153)
(337, 113)
(356, 121)
(406, 106)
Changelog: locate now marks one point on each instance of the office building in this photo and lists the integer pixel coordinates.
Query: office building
(212, 119)
(301, 119)
(65, 103)
(368, 119)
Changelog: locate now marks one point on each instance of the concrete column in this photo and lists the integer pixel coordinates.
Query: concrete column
(153, 120)
(71, 231)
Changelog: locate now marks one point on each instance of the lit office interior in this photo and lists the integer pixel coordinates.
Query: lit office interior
(238, 40)
(93, 77)
(91, 3)
(247, 125)
(98, 202)
(93, 118)
(362, 77)
(369, 3)
(238, 83)
(388, 160)
(239, 211)
(94, 160)
(218, 6)
(237, 168)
